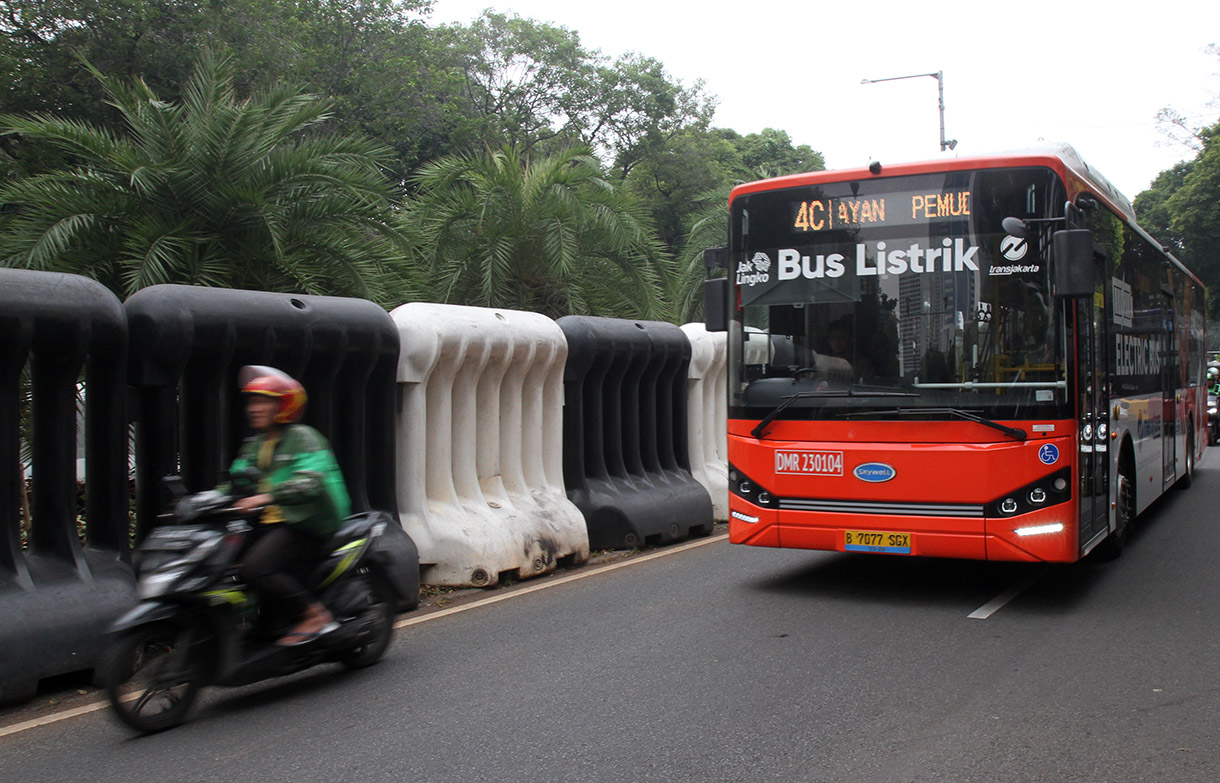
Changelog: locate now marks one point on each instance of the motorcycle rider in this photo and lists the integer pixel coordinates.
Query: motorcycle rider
(301, 491)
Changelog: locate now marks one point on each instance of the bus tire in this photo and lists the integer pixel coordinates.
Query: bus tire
(1189, 475)
(1112, 546)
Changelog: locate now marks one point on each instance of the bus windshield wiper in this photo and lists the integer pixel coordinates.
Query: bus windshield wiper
(1015, 433)
(849, 392)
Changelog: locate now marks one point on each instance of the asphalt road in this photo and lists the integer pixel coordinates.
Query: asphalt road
(722, 663)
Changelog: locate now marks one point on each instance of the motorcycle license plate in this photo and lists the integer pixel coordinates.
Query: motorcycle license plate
(875, 541)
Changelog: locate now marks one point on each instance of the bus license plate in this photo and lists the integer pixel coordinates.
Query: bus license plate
(873, 541)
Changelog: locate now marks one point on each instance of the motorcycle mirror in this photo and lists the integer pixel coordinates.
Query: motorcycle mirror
(176, 486)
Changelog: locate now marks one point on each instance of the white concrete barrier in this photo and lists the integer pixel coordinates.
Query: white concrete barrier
(707, 414)
(480, 444)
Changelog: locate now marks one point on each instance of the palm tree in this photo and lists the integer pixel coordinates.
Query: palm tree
(685, 279)
(211, 190)
(547, 234)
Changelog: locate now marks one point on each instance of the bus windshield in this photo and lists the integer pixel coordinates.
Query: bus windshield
(875, 297)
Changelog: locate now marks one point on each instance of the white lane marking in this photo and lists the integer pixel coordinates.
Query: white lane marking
(47, 720)
(997, 603)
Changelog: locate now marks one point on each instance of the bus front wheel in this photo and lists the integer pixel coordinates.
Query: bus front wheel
(1124, 520)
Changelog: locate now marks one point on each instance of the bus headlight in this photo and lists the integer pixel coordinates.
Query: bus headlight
(1040, 530)
(747, 489)
(1034, 496)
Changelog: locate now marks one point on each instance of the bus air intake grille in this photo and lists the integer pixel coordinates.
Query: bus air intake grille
(890, 509)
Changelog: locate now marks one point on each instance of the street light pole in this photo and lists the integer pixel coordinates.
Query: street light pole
(940, 88)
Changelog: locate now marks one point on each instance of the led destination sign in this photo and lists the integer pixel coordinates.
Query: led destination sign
(897, 209)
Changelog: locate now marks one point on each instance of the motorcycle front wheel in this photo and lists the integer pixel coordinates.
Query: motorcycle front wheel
(150, 678)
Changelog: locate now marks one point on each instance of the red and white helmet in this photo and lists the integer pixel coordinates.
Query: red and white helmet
(270, 382)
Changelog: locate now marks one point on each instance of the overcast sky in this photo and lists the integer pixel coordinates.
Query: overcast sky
(1087, 72)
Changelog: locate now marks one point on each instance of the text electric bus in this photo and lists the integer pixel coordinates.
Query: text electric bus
(976, 358)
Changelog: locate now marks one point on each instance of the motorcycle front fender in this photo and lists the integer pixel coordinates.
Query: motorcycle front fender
(144, 613)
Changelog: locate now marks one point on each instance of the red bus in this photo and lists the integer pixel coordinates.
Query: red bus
(976, 357)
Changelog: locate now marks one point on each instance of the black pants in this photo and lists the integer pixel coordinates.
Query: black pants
(270, 562)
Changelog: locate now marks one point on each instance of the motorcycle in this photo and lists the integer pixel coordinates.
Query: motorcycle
(197, 624)
(1213, 419)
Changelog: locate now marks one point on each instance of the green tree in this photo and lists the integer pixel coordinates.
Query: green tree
(688, 188)
(674, 179)
(545, 233)
(423, 91)
(389, 75)
(1182, 207)
(1152, 207)
(642, 110)
(209, 190)
(1195, 210)
(770, 153)
(534, 84)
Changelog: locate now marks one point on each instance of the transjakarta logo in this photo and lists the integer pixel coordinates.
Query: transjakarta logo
(1014, 269)
(755, 270)
(952, 256)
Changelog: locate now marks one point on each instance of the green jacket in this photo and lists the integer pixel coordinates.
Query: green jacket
(301, 474)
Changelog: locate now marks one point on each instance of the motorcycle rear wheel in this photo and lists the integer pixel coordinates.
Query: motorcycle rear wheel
(150, 679)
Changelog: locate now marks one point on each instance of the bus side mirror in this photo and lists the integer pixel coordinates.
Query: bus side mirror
(716, 291)
(1075, 264)
(716, 304)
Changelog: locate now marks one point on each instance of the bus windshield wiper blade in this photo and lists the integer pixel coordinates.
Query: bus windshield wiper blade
(1013, 432)
(850, 392)
(1016, 433)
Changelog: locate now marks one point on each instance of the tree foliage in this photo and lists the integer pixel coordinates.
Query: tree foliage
(386, 72)
(208, 190)
(549, 234)
(534, 84)
(103, 159)
(1182, 210)
(693, 213)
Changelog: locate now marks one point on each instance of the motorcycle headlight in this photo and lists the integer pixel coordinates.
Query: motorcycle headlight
(158, 582)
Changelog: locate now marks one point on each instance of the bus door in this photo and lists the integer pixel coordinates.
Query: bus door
(1092, 384)
(1169, 385)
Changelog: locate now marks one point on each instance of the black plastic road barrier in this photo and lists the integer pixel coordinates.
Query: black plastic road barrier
(57, 595)
(625, 433)
(187, 345)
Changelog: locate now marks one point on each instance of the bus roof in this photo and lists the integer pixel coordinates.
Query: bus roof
(1063, 158)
